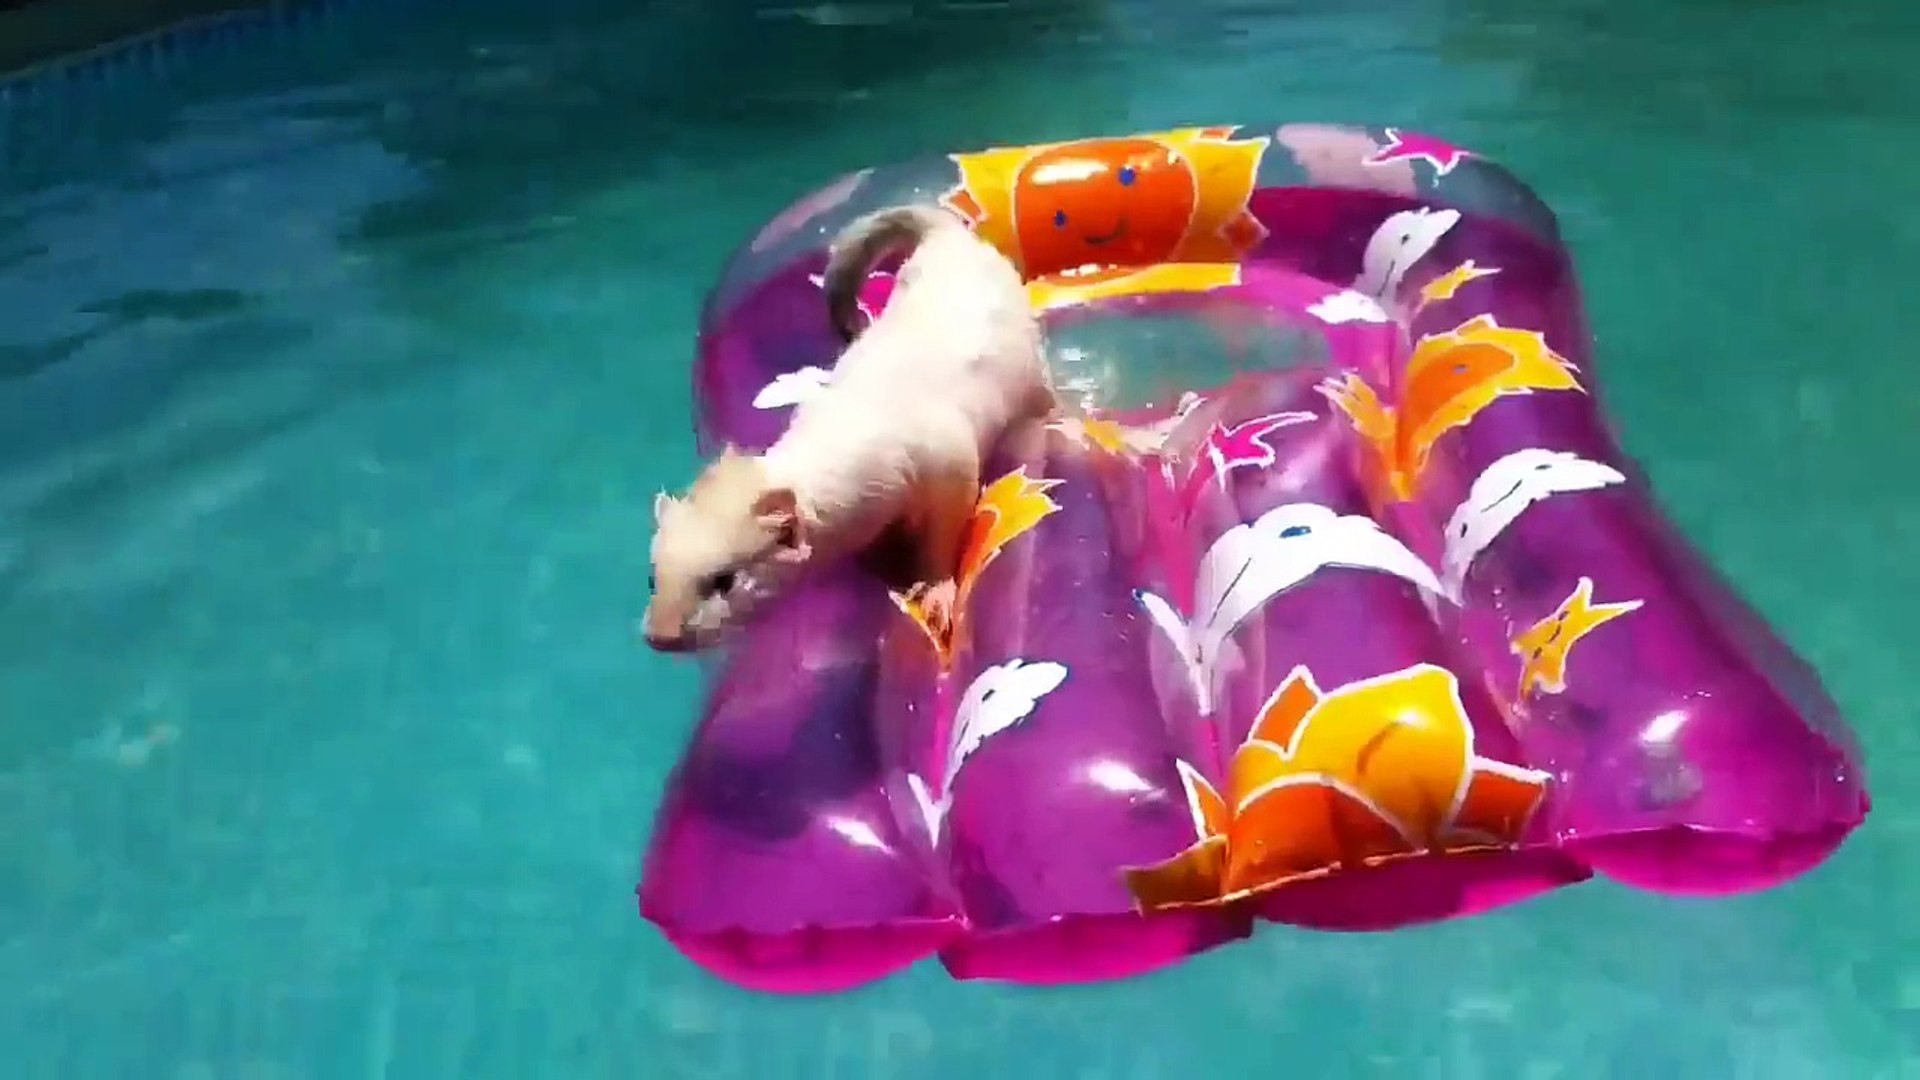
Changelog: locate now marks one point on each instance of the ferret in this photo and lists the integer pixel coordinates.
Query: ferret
(892, 445)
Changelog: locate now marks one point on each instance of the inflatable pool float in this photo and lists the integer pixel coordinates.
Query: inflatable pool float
(1360, 618)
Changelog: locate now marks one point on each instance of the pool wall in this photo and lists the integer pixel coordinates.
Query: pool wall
(49, 45)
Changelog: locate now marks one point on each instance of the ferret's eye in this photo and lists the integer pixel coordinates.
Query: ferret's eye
(718, 584)
(653, 583)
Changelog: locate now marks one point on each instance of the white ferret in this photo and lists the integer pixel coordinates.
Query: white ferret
(894, 441)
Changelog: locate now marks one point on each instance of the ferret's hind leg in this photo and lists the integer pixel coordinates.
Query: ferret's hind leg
(942, 515)
(1043, 403)
(1042, 399)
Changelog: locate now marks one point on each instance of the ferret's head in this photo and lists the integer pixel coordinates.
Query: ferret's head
(732, 541)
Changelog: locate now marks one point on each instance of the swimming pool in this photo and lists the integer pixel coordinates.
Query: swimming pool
(338, 367)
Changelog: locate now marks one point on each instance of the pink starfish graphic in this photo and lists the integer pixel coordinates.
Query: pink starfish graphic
(873, 295)
(1228, 448)
(1408, 145)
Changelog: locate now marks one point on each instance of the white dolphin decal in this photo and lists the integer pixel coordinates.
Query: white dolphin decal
(998, 698)
(1502, 492)
(1401, 241)
(1254, 562)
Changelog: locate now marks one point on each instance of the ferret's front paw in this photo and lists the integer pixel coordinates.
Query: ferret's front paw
(936, 605)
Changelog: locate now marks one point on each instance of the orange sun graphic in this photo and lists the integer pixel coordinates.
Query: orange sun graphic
(1375, 770)
(1450, 378)
(1007, 509)
(1544, 647)
(1158, 212)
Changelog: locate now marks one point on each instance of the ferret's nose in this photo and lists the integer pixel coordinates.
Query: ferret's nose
(667, 642)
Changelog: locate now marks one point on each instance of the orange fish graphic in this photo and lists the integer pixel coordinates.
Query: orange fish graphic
(1450, 378)
(1007, 509)
(1158, 212)
(1543, 648)
(1378, 769)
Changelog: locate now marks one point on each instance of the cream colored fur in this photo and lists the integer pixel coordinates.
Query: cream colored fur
(898, 435)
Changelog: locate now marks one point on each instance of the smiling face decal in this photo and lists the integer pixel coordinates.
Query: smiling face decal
(1108, 202)
(1158, 212)
(1503, 491)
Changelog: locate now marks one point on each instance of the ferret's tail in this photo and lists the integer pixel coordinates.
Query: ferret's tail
(865, 241)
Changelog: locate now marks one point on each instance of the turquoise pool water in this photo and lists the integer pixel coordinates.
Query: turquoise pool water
(337, 371)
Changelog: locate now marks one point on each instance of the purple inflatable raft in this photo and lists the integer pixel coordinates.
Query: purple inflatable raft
(1365, 620)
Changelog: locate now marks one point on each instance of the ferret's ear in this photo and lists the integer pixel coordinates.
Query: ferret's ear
(777, 506)
(779, 513)
(661, 501)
